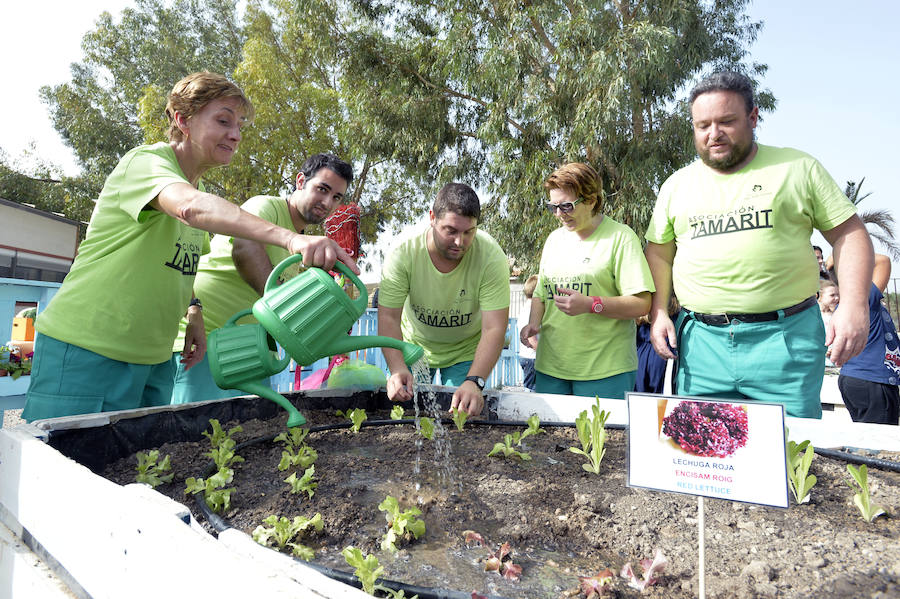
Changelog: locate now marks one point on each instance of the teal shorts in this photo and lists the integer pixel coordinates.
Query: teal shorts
(781, 361)
(453, 376)
(197, 384)
(611, 387)
(68, 380)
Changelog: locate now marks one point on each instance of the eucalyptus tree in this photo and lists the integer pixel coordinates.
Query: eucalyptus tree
(500, 92)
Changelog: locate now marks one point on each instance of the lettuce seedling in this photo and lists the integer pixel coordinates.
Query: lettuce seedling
(506, 448)
(224, 455)
(281, 531)
(150, 471)
(799, 458)
(401, 525)
(368, 570)
(218, 435)
(304, 484)
(296, 452)
(397, 413)
(356, 416)
(217, 498)
(459, 418)
(534, 427)
(471, 536)
(652, 570)
(501, 562)
(592, 434)
(869, 510)
(426, 427)
(594, 587)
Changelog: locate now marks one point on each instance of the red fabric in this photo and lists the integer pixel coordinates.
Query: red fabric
(343, 227)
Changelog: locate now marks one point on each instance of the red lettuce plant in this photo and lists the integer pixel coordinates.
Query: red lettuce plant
(652, 570)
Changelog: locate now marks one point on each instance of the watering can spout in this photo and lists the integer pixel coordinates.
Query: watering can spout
(295, 418)
(347, 344)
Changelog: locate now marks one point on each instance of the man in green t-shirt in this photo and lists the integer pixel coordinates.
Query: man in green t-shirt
(233, 275)
(447, 290)
(731, 233)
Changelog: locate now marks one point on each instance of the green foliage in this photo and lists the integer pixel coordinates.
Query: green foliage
(219, 436)
(304, 484)
(367, 569)
(415, 93)
(506, 449)
(799, 459)
(592, 435)
(282, 531)
(397, 413)
(869, 510)
(151, 471)
(296, 452)
(426, 427)
(217, 496)
(356, 416)
(459, 418)
(534, 427)
(401, 525)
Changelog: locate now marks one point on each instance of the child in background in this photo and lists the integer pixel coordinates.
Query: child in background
(828, 297)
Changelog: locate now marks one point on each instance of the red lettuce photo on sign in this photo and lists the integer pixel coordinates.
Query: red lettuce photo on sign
(707, 429)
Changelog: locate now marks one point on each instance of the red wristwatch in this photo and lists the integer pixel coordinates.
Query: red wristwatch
(596, 305)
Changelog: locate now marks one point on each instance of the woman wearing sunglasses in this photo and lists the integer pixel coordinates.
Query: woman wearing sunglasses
(593, 282)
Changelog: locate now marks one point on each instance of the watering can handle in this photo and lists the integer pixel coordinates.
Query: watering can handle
(231, 321)
(361, 302)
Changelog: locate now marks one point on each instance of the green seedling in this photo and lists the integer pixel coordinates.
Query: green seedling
(592, 434)
(799, 458)
(426, 427)
(151, 470)
(304, 484)
(402, 526)
(506, 448)
(356, 416)
(397, 413)
(217, 497)
(218, 435)
(281, 531)
(368, 570)
(222, 445)
(869, 510)
(459, 418)
(534, 427)
(296, 452)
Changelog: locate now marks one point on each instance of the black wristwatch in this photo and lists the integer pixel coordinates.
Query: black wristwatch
(477, 380)
(195, 302)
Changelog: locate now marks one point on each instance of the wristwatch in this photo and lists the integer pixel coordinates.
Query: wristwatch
(477, 380)
(195, 302)
(597, 304)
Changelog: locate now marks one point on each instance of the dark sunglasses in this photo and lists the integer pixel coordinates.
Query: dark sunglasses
(566, 207)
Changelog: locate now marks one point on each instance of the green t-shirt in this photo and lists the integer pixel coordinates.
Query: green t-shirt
(219, 286)
(442, 311)
(609, 263)
(743, 239)
(131, 281)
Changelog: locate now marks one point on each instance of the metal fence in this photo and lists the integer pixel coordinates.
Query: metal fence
(892, 300)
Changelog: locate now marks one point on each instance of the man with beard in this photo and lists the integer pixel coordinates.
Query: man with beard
(447, 290)
(233, 275)
(731, 233)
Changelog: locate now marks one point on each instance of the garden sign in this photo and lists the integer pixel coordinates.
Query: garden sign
(708, 448)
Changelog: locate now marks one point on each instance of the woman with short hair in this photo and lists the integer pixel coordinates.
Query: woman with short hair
(106, 338)
(593, 282)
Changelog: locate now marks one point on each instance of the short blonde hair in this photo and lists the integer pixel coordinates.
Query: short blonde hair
(580, 179)
(530, 284)
(195, 91)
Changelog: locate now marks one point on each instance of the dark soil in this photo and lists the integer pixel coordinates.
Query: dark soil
(552, 512)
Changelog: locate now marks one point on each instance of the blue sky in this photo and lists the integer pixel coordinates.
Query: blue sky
(833, 67)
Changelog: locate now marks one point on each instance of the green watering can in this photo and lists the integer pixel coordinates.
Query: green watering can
(240, 356)
(309, 315)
